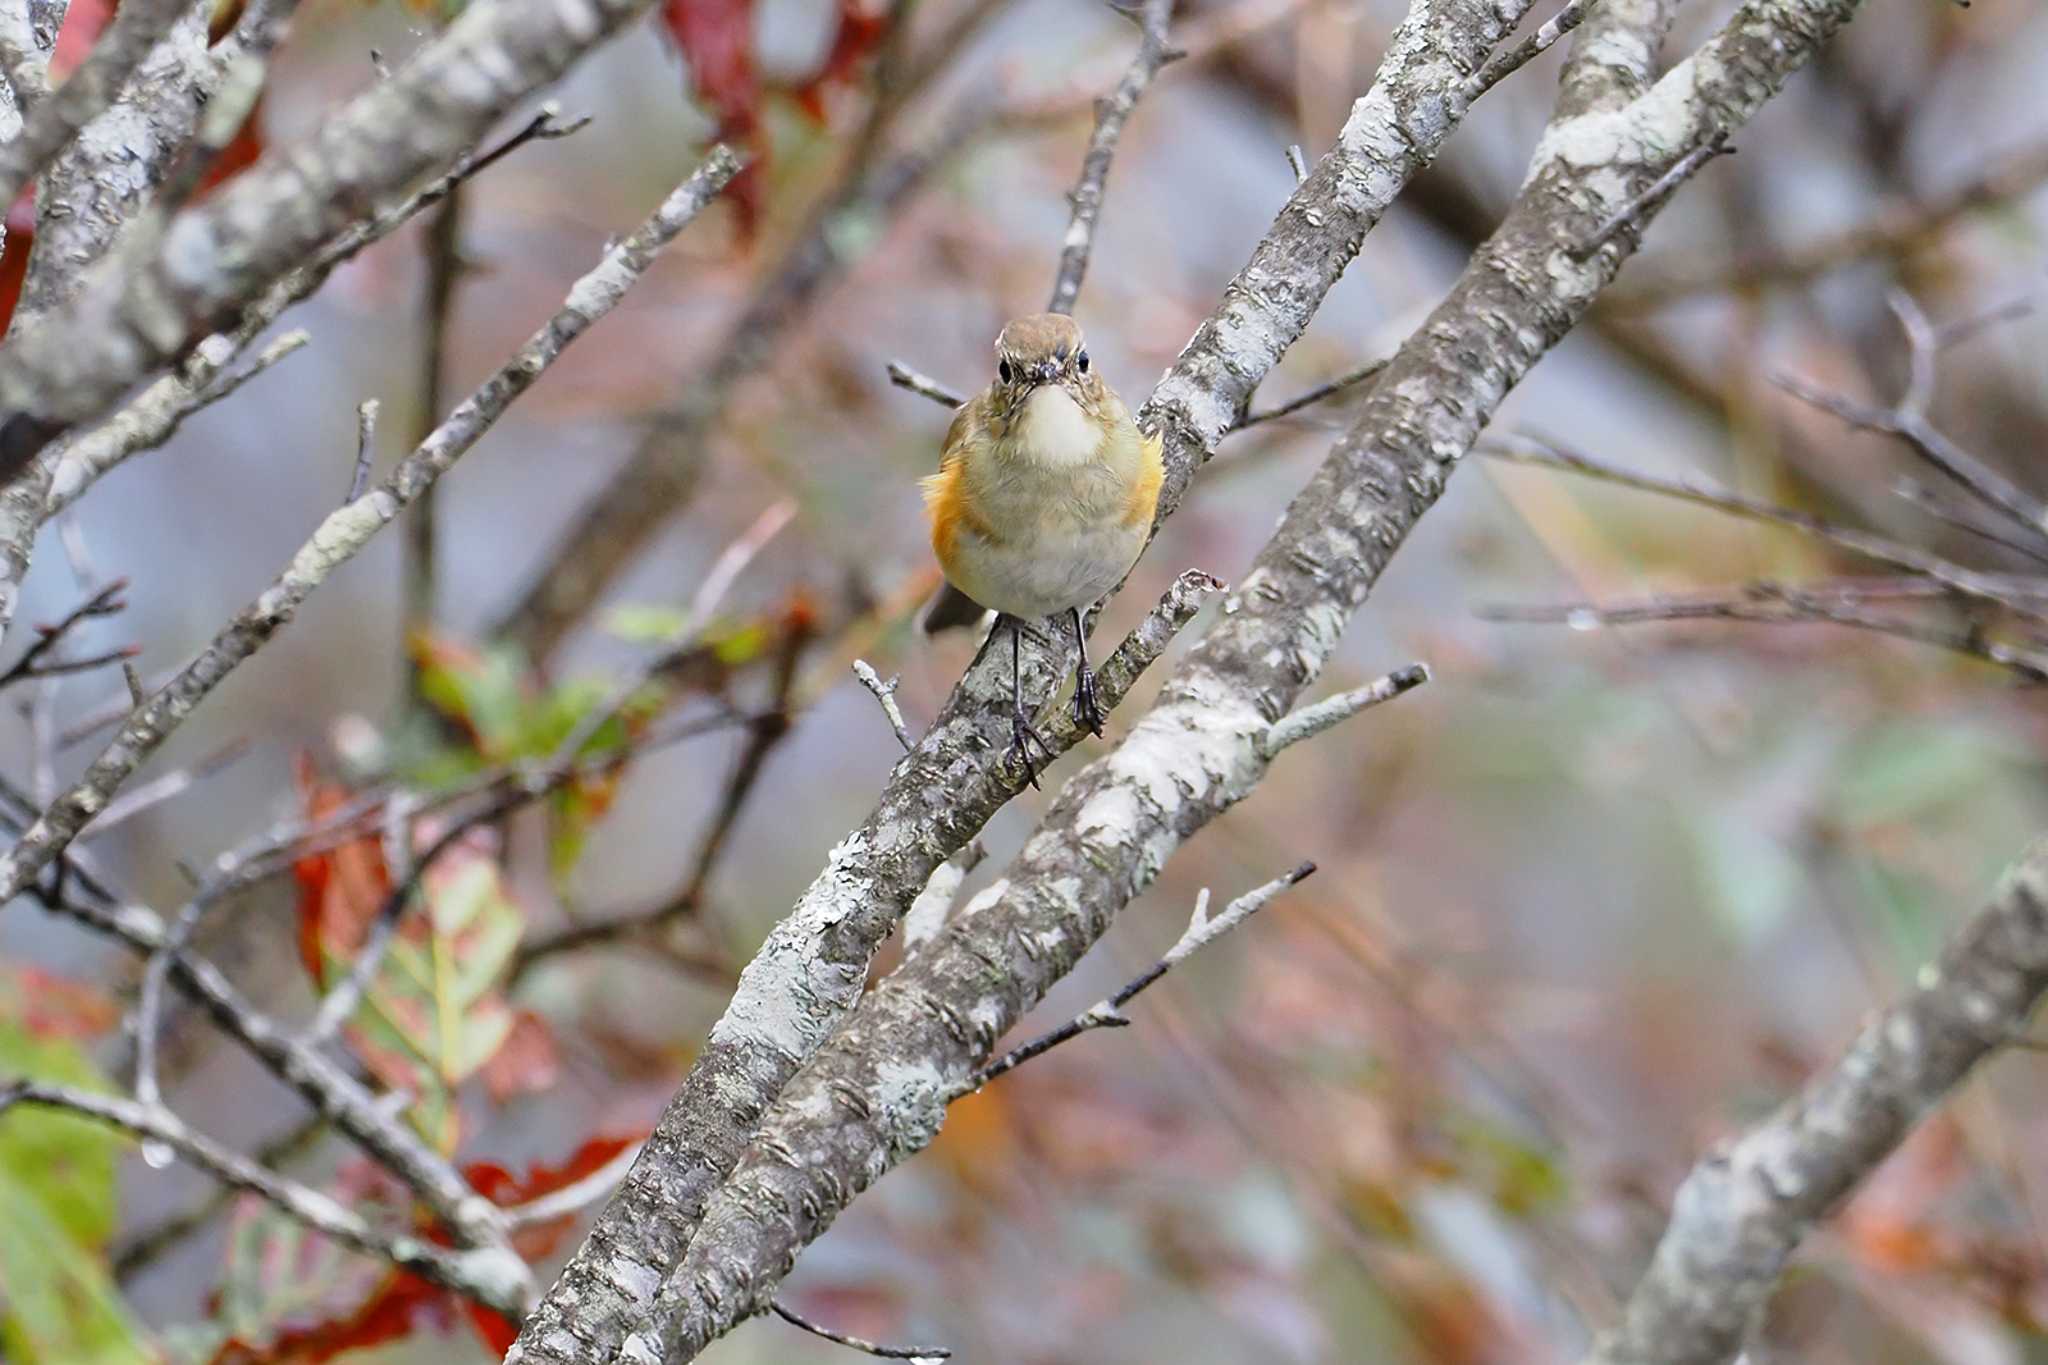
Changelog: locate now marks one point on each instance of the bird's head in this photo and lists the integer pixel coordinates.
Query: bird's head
(1043, 348)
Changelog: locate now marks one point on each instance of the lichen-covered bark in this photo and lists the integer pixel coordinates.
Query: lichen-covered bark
(942, 793)
(218, 255)
(876, 1092)
(1743, 1210)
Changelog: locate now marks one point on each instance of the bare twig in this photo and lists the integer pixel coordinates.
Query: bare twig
(346, 530)
(1312, 396)
(1992, 588)
(885, 697)
(156, 791)
(152, 416)
(1108, 1013)
(1907, 417)
(903, 377)
(443, 268)
(1766, 603)
(35, 661)
(1639, 207)
(1313, 719)
(873, 1348)
(1507, 61)
(366, 448)
(475, 1274)
(1110, 115)
(576, 1196)
(1892, 232)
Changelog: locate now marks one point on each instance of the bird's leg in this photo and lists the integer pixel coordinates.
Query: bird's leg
(1022, 735)
(1087, 710)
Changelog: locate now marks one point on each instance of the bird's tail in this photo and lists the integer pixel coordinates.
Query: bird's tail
(951, 608)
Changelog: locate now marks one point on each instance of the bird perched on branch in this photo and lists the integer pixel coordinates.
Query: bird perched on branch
(1043, 501)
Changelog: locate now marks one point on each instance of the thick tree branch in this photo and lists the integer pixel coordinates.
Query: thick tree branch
(812, 968)
(1744, 1209)
(218, 256)
(86, 93)
(874, 1093)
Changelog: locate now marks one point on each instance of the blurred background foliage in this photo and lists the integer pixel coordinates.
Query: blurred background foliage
(1588, 901)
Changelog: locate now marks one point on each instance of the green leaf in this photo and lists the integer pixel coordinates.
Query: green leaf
(644, 624)
(58, 1207)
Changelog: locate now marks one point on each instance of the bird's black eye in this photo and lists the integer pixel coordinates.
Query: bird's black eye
(1081, 362)
(1004, 370)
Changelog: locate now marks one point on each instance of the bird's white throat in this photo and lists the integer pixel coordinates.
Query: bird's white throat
(1052, 429)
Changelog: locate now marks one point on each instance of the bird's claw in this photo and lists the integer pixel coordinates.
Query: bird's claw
(1087, 707)
(1022, 737)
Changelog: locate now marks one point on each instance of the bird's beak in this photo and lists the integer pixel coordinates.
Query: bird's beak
(1044, 372)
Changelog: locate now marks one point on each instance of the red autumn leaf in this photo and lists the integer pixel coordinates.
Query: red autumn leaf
(55, 1007)
(716, 40)
(861, 27)
(527, 1063)
(340, 890)
(401, 1306)
(501, 1187)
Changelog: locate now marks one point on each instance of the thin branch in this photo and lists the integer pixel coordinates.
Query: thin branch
(422, 526)
(1767, 603)
(2001, 494)
(1747, 1205)
(35, 661)
(1640, 207)
(346, 530)
(1996, 589)
(574, 1197)
(1967, 517)
(153, 416)
(366, 449)
(1893, 232)
(1310, 397)
(471, 1273)
(1202, 930)
(1110, 116)
(873, 1348)
(903, 377)
(885, 697)
(1312, 720)
(725, 570)
(138, 1250)
(1507, 61)
(158, 790)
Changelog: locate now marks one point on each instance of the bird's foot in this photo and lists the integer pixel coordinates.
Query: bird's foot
(1022, 737)
(1087, 706)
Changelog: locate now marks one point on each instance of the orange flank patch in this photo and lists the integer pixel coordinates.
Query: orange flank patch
(947, 503)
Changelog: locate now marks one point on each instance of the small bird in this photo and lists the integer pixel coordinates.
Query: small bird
(1042, 503)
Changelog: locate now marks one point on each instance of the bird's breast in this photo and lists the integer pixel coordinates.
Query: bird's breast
(1053, 431)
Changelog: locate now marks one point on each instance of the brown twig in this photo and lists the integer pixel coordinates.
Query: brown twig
(873, 1348)
(1108, 1013)
(1767, 603)
(1892, 232)
(1111, 113)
